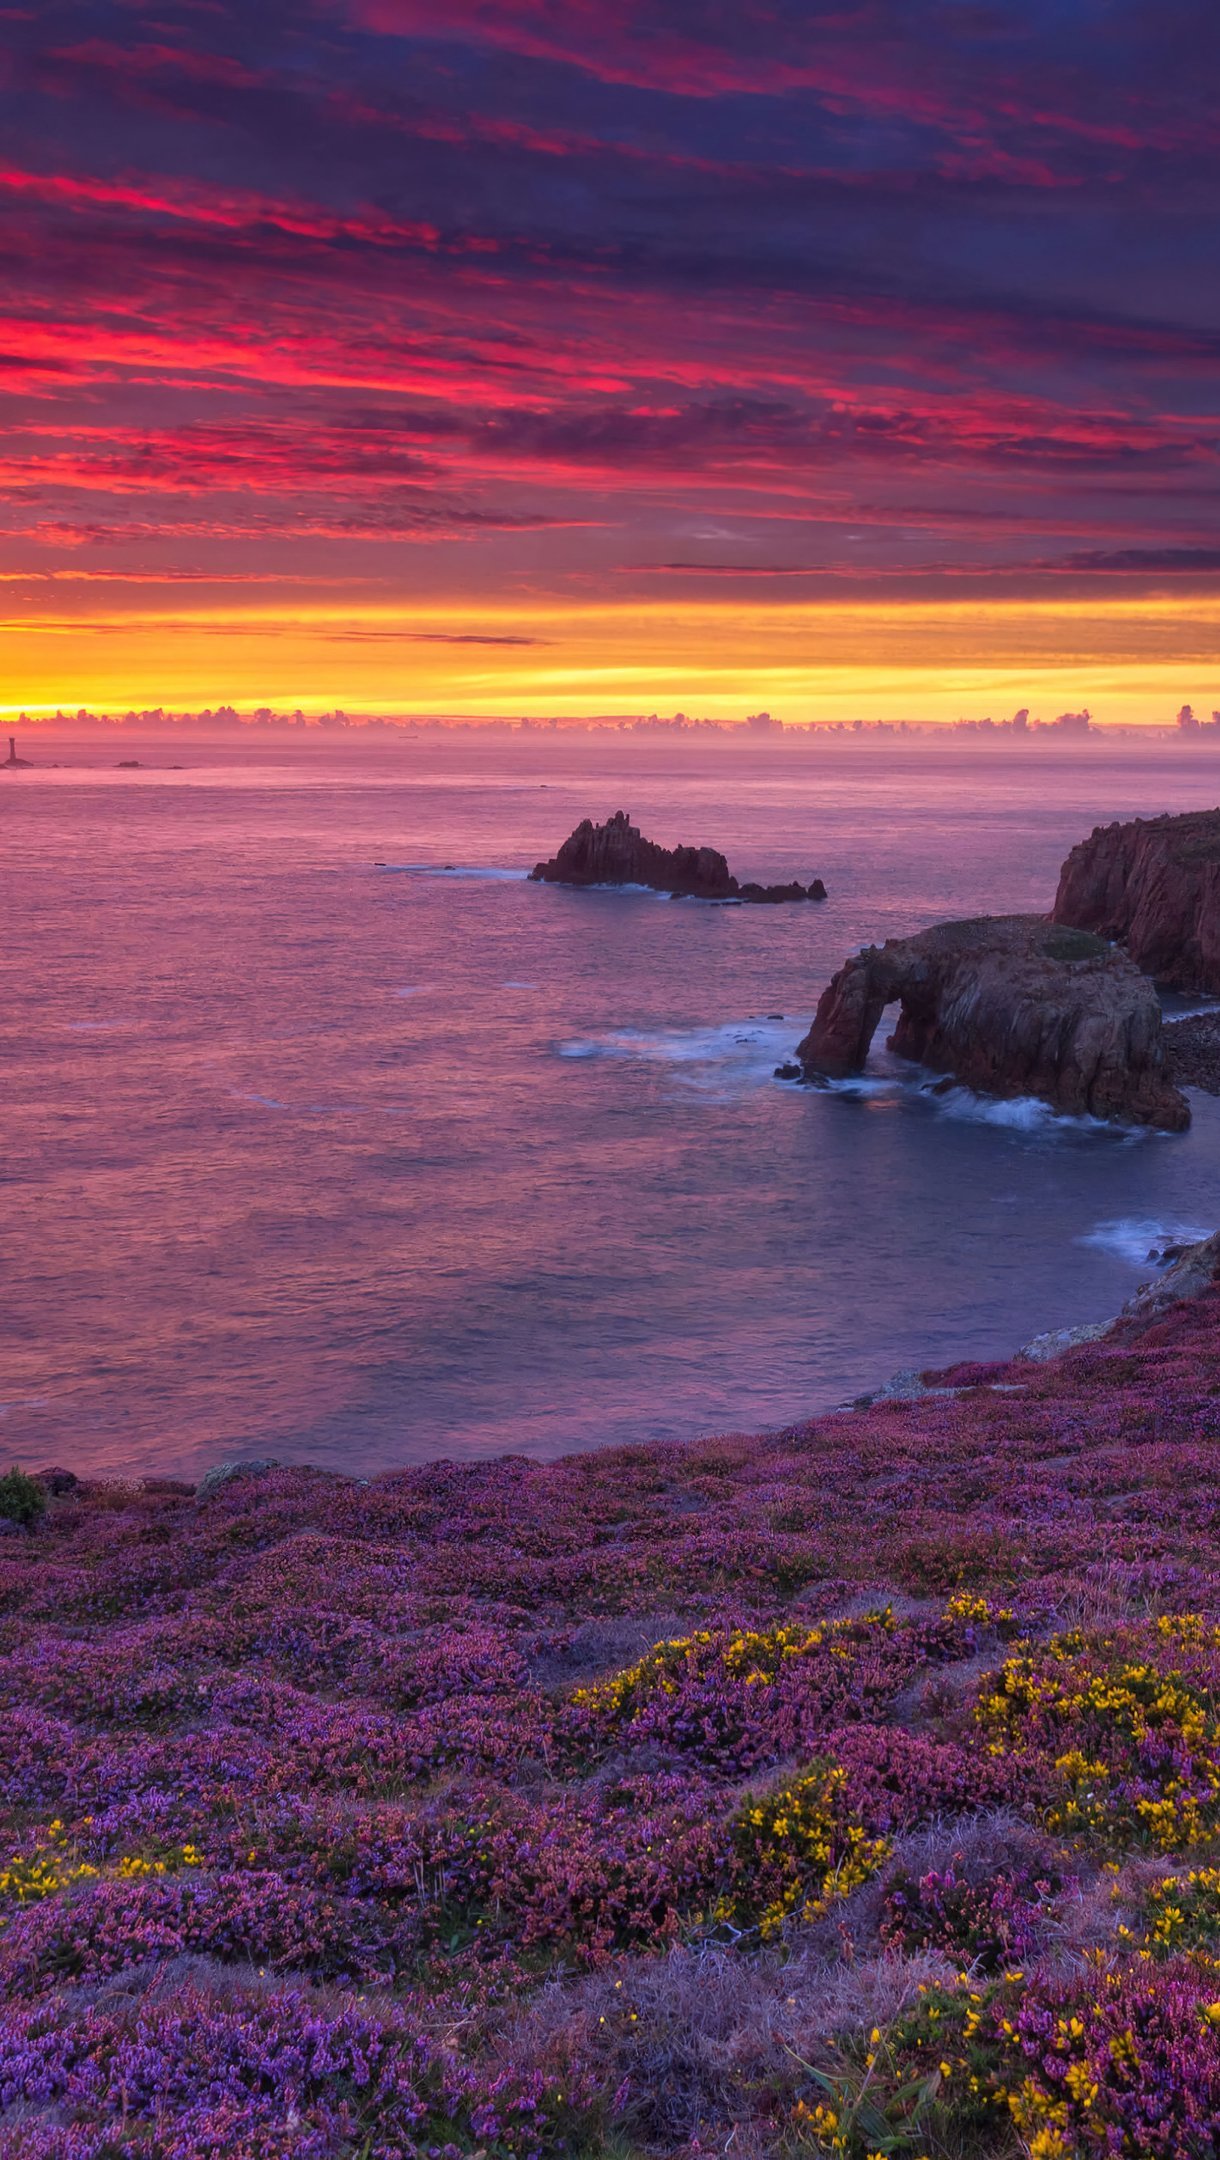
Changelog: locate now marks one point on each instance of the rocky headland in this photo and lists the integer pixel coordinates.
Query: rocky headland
(617, 853)
(1152, 885)
(1007, 1005)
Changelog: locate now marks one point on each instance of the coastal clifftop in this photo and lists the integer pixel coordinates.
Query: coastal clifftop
(783, 1750)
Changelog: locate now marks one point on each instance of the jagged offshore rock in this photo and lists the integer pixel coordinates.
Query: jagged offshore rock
(617, 853)
(1010, 1005)
(1154, 886)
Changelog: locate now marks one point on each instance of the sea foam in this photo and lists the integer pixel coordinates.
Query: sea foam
(737, 1054)
(1136, 1238)
(484, 873)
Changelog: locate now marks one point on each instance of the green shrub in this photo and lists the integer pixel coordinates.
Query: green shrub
(22, 1499)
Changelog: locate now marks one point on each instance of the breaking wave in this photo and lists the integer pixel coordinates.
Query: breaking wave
(740, 1053)
(1141, 1239)
(484, 873)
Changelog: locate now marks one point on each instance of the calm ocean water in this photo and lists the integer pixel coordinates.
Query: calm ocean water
(361, 1165)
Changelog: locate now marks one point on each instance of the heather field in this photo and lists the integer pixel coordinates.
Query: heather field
(848, 1790)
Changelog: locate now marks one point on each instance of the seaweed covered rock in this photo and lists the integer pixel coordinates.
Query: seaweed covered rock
(1010, 1005)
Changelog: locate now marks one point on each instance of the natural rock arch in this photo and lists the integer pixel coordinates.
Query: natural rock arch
(1009, 1005)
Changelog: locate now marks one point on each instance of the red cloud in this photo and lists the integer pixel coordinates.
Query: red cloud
(186, 62)
(233, 210)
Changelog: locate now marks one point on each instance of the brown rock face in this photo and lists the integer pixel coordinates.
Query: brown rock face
(1009, 1005)
(1154, 886)
(617, 853)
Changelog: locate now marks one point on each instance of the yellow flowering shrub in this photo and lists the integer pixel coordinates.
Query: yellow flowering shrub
(53, 1866)
(1134, 1748)
(799, 1848)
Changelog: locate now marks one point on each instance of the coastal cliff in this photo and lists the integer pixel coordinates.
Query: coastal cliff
(617, 853)
(1008, 1005)
(1153, 885)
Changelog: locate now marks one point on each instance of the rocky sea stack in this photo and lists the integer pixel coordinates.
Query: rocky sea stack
(617, 853)
(1154, 886)
(1009, 1005)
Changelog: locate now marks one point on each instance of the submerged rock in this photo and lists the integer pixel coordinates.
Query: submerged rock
(617, 853)
(1154, 886)
(1009, 1005)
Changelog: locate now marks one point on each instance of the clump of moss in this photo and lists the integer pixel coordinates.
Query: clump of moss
(1070, 945)
(22, 1499)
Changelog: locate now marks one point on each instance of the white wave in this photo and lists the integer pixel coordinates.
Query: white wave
(736, 1054)
(1141, 1238)
(649, 891)
(520, 986)
(739, 1054)
(1021, 1113)
(1018, 1114)
(311, 1109)
(641, 892)
(484, 871)
(859, 1086)
(1182, 1007)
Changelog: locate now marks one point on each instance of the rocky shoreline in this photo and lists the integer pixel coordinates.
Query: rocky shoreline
(1192, 1052)
(1187, 1272)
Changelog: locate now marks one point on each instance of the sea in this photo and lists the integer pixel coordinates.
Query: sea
(329, 1137)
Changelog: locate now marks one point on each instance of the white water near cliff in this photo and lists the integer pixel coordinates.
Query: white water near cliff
(359, 1166)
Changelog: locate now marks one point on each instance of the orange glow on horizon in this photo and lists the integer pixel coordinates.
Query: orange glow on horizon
(1129, 660)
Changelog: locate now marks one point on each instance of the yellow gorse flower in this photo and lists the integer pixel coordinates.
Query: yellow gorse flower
(52, 1867)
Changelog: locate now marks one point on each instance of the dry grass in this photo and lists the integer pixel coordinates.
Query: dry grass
(691, 2039)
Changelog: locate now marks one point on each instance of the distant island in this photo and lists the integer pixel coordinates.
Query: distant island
(755, 729)
(617, 853)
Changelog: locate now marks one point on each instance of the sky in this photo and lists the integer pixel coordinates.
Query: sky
(847, 358)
